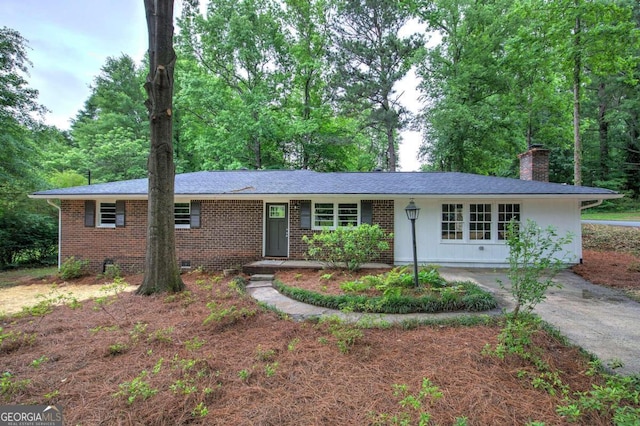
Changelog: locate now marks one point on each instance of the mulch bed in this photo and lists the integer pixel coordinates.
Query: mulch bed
(613, 269)
(323, 281)
(312, 383)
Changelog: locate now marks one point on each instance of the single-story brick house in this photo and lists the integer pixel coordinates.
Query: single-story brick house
(228, 218)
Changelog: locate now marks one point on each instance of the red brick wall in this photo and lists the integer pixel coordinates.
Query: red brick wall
(382, 216)
(230, 235)
(124, 246)
(297, 248)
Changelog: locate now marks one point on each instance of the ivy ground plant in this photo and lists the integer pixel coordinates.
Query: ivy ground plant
(394, 293)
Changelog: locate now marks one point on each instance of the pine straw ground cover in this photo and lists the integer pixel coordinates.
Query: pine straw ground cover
(611, 257)
(211, 355)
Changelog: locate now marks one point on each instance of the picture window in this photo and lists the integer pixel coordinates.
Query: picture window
(333, 215)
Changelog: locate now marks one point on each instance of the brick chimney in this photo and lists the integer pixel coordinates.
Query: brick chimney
(534, 164)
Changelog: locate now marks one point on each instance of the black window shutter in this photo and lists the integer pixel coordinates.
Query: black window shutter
(366, 212)
(305, 214)
(90, 213)
(195, 214)
(120, 214)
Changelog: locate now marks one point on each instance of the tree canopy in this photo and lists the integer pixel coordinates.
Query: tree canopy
(27, 229)
(316, 84)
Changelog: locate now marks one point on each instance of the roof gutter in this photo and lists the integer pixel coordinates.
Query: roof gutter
(588, 206)
(59, 230)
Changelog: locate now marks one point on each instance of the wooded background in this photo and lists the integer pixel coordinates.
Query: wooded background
(313, 84)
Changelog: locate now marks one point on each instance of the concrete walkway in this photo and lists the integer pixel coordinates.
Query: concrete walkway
(600, 320)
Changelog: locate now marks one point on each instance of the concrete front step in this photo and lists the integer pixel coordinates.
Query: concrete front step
(260, 281)
(259, 284)
(261, 277)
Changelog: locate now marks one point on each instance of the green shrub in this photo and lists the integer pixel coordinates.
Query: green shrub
(14, 340)
(431, 277)
(536, 256)
(348, 247)
(618, 397)
(194, 344)
(393, 282)
(9, 386)
(112, 271)
(118, 348)
(346, 335)
(356, 286)
(138, 388)
(73, 268)
(112, 292)
(231, 314)
(414, 406)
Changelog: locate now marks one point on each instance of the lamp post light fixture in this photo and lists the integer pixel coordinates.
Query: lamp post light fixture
(412, 214)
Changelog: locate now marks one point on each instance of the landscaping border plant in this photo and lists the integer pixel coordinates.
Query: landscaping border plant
(472, 298)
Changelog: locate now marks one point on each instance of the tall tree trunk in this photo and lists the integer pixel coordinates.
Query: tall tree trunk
(391, 149)
(256, 145)
(161, 272)
(577, 69)
(306, 116)
(390, 124)
(603, 132)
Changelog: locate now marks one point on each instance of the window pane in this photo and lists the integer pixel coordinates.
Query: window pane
(507, 213)
(323, 215)
(108, 214)
(182, 214)
(276, 212)
(348, 214)
(452, 222)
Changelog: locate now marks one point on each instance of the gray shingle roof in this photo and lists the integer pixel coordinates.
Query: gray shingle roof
(305, 182)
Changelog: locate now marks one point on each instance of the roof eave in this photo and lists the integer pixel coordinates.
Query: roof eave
(249, 196)
(88, 196)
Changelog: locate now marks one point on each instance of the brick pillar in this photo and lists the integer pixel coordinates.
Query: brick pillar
(534, 164)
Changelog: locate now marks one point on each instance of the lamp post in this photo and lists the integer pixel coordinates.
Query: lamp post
(412, 214)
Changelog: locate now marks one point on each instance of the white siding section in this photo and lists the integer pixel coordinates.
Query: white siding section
(564, 215)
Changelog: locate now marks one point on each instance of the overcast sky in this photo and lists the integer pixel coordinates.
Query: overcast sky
(70, 40)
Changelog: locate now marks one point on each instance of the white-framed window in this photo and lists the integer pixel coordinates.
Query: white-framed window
(452, 222)
(476, 222)
(333, 215)
(107, 214)
(182, 215)
(479, 221)
(506, 213)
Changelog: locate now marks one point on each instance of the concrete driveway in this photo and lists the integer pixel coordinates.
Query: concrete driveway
(635, 224)
(600, 320)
